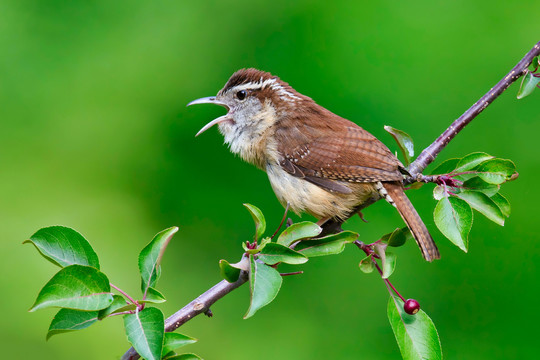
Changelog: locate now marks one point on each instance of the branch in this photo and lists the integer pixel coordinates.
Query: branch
(430, 153)
(203, 302)
(196, 307)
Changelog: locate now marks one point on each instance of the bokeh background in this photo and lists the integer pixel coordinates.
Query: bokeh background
(95, 135)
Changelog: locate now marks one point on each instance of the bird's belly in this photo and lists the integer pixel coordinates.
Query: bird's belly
(304, 196)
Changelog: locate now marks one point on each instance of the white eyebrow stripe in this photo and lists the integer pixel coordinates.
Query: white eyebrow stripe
(272, 83)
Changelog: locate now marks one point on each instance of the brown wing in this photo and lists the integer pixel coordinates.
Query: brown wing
(344, 152)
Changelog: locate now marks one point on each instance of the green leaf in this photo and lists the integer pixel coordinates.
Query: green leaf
(329, 245)
(153, 296)
(388, 265)
(298, 231)
(454, 218)
(175, 340)
(483, 204)
(265, 241)
(416, 334)
(150, 258)
(64, 246)
(366, 264)
(469, 162)
(478, 184)
(397, 237)
(145, 331)
(119, 304)
(446, 167)
(496, 171)
(258, 218)
(264, 283)
(67, 320)
(183, 357)
(274, 253)
(404, 142)
(502, 203)
(229, 272)
(76, 287)
(528, 84)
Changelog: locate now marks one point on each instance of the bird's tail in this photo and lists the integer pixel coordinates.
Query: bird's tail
(397, 197)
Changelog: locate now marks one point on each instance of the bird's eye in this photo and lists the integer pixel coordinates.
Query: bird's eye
(241, 95)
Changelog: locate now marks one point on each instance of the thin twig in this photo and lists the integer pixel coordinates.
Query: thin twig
(198, 306)
(427, 156)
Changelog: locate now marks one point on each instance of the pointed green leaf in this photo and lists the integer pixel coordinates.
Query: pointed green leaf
(397, 237)
(454, 218)
(119, 304)
(298, 231)
(388, 265)
(329, 245)
(64, 246)
(528, 84)
(174, 341)
(366, 264)
(478, 184)
(264, 283)
(416, 334)
(496, 171)
(67, 320)
(265, 241)
(446, 167)
(274, 253)
(153, 296)
(469, 162)
(258, 218)
(150, 258)
(483, 204)
(145, 331)
(404, 142)
(76, 287)
(228, 272)
(502, 203)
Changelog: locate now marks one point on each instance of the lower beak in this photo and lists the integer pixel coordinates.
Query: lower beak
(211, 100)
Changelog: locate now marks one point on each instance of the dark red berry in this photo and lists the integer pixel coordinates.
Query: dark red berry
(411, 306)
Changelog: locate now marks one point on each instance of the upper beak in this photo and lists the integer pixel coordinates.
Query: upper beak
(211, 100)
(207, 100)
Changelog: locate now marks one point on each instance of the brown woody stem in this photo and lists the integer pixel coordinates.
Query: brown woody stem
(430, 153)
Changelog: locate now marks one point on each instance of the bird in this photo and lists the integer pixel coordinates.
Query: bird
(316, 161)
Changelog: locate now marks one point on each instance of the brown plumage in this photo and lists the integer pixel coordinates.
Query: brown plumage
(316, 161)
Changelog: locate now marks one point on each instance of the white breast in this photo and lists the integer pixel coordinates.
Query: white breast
(304, 196)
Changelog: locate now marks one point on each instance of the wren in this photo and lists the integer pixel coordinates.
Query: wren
(316, 161)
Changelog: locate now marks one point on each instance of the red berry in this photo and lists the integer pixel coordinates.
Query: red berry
(411, 306)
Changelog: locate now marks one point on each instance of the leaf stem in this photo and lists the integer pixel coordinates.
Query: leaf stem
(292, 273)
(133, 301)
(282, 221)
(387, 282)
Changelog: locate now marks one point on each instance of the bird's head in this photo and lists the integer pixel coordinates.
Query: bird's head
(255, 100)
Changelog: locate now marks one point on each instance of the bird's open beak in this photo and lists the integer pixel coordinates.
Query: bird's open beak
(211, 100)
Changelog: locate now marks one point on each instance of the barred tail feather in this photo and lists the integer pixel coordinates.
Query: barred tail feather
(407, 211)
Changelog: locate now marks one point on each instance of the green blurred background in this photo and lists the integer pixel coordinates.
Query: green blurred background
(95, 135)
